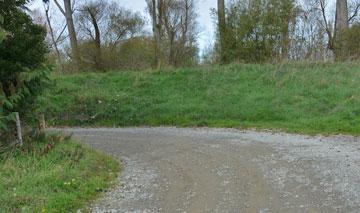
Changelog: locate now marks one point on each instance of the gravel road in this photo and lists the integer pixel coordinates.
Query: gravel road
(226, 170)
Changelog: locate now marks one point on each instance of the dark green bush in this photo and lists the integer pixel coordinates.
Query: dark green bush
(23, 74)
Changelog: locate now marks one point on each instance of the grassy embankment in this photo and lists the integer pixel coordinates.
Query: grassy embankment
(313, 98)
(53, 178)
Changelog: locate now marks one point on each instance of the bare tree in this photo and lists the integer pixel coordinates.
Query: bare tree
(68, 11)
(103, 29)
(354, 8)
(172, 23)
(174, 26)
(344, 15)
(91, 13)
(327, 25)
(54, 40)
(189, 28)
(181, 27)
(307, 39)
(122, 24)
(156, 10)
(222, 26)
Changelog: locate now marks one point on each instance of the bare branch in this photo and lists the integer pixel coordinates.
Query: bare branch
(55, 44)
(355, 13)
(59, 6)
(62, 39)
(62, 31)
(73, 7)
(327, 29)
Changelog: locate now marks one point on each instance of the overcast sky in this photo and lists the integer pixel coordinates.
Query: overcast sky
(204, 18)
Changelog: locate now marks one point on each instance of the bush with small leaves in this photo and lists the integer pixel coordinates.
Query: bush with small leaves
(23, 74)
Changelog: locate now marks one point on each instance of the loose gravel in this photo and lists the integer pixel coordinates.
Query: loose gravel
(226, 170)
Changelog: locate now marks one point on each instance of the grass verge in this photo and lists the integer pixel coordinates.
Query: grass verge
(61, 179)
(305, 98)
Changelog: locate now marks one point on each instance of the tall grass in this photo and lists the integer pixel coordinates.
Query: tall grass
(308, 98)
(48, 177)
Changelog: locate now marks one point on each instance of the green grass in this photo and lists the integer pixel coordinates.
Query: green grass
(62, 180)
(306, 98)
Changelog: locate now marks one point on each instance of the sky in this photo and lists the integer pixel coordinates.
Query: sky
(207, 28)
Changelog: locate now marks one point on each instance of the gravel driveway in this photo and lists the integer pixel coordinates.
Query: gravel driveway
(227, 170)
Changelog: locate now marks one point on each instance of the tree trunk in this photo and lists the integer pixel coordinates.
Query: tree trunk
(159, 30)
(57, 51)
(41, 123)
(185, 24)
(172, 49)
(341, 24)
(97, 41)
(72, 32)
(156, 8)
(341, 17)
(222, 27)
(156, 27)
(285, 45)
(5, 84)
(155, 34)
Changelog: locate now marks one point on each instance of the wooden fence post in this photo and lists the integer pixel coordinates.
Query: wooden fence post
(18, 129)
(42, 124)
